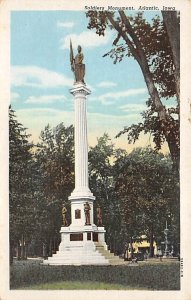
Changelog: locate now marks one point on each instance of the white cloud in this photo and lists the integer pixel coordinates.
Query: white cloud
(88, 39)
(107, 84)
(111, 97)
(45, 99)
(37, 77)
(133, 107)
(65, 24)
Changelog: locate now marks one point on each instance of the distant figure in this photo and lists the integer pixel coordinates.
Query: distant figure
(160, 253)
(99, 216)
(145, 255)
(64, 211)
(87, 209)
(172, 251)
(44, 250)
(126, 249)
(134, 260)
(77, 65)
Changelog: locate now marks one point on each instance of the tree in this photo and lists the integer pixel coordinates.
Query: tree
(172, 24)
(138, 192)
(126, 185)
(20, 185)
(54, 156)
(101, 160)
(148, 190)
(149, 44)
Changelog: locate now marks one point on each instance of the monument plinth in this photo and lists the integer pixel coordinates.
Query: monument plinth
(80, 240)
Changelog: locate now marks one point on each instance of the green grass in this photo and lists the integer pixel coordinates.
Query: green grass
(78, 285)
(153, 276)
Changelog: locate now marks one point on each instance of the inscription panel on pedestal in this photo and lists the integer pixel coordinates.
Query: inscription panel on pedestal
(89, 236)
(76, 237)
(77, 214)
(95, 237)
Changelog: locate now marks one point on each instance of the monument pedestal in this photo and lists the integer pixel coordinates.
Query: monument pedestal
(78, 247)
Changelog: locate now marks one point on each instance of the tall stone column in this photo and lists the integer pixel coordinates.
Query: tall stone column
(81, 192)
(80, 91)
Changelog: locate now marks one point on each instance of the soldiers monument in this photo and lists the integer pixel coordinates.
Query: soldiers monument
(82, 242)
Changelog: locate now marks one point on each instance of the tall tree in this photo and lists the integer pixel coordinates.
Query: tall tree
(101, 160)
(148, 188)
(54, 156)
(149, 44)
(20, 185)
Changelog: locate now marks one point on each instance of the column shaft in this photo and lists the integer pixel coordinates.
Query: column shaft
(81, 190)
(81, 144)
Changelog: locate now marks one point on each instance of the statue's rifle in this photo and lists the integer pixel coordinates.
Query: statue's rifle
(72, 57)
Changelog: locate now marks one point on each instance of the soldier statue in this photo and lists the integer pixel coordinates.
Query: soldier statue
(77, 65)
(64, 211)
(87, 209)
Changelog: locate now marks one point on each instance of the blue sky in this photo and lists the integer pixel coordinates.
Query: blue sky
(41, 76)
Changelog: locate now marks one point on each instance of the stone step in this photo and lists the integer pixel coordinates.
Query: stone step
(113, 260)
(77, 263)
(69, 256)
(100, 260)
(77, 254)
(106, 252)
(78, 259)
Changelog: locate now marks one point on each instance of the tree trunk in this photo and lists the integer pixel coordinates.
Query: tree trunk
(11, 252)
(151, 243)
(159, 107)
(173, 148)
(172, 25)
(168, 130)
(44, 250)
(131, 245)
(22, 247)
(114, 244)
(18, 251)
(54, 245)
(50, 247)
(26, 250)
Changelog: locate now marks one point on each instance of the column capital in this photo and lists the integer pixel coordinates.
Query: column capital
(80, 88)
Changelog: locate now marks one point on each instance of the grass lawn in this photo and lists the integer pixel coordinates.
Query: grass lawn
(79, 285)
(31, 274)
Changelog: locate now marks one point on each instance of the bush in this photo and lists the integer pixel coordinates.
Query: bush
(152, 276)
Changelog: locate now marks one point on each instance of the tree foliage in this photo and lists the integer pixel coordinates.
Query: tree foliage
(101, 183)
(149, 44)
(20, 183)
(54, 157)
(147, 187)
(137, 192)
(41, 179)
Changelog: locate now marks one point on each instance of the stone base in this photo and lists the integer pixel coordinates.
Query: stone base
(78, 246)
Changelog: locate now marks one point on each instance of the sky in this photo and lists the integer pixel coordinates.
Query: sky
(41, 76)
